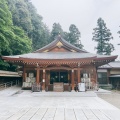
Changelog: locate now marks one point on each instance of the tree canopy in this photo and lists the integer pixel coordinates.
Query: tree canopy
(73, 36)
(102, 36)
(13, 40)
(22, 30)
(56, 30)
(24, 15)
(119, 36)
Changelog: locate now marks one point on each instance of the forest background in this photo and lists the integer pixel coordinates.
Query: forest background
(22, 30)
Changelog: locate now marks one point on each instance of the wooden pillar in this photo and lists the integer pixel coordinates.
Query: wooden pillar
(79, 80)
(69, 77)
(43, 86)
(95, 74)
(24, 75)
(108, 74)
(37, 75)
(72, 76)
(47, 80)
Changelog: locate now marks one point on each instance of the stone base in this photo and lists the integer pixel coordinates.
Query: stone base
(43, 91)
(72, 90)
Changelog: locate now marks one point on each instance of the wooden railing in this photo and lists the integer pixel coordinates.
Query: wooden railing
(9, 84)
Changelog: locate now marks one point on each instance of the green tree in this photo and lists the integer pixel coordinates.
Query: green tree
(20, 14)
(21, 42)
(74, 36)
(102, 36)
(5, 31)
(40, 34)
(66, 36)
(5, 27)
(24, 15)
(56, 30)
(12, 39)
(119, 36)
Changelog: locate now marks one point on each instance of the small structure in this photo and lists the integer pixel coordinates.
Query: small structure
(81, 87)
(59, 62)
(58, 87)
(36, 87)
(4, 73)
(7, 76)
(109, 74)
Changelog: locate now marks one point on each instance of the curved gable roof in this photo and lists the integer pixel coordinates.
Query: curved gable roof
(64, 44)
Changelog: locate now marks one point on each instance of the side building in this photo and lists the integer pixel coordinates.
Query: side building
(9, 78)
(109, 75)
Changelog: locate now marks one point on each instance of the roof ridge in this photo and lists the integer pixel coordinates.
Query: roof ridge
(54, 41)
(72, 45)
(65, 42)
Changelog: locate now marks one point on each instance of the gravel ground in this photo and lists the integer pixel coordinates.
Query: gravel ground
(113, 98)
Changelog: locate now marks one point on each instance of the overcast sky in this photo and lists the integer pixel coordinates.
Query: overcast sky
(84, 14)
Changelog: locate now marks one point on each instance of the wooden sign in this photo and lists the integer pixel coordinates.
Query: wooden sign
(58, 87)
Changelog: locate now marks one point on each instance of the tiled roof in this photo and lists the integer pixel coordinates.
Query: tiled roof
(54, 55)
(58, 55)
(9, 73)
(73, 53)
(115, 64)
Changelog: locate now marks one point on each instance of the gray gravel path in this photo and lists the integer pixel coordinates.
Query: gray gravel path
(113, 98)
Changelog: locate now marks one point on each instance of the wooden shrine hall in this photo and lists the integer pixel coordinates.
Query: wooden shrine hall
(59, 62)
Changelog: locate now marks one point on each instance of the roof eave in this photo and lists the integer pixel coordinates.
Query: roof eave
(110, 57)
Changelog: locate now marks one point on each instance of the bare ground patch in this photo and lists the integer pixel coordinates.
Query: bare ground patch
(113, 98)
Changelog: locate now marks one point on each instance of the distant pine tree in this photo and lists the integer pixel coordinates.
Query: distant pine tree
(56, 30)
(74, 36)
(102, 35)
(119, 36)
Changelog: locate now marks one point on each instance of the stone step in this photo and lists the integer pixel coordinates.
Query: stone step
(65, 94)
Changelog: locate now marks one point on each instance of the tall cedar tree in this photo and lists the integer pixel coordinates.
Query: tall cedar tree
(119, 36)
(102, 35)
(56, 30)
(73, 36)
(12, 39)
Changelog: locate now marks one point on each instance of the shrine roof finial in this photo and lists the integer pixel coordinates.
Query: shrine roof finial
(59, 36)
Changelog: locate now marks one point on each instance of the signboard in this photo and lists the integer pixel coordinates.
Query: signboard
(58, 87)
(81, 87)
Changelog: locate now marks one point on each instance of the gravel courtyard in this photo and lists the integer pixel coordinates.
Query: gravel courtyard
(25, 105)
(113, 98)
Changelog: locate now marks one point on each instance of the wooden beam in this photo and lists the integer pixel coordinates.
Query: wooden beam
(108, 74)
(72, 75)
(47, 80)
(79, 80)
(58, 68)
(43, 85)
(37, 75)
(95, 74)
(24, 76)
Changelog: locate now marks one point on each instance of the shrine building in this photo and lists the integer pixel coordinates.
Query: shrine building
(59, 62)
